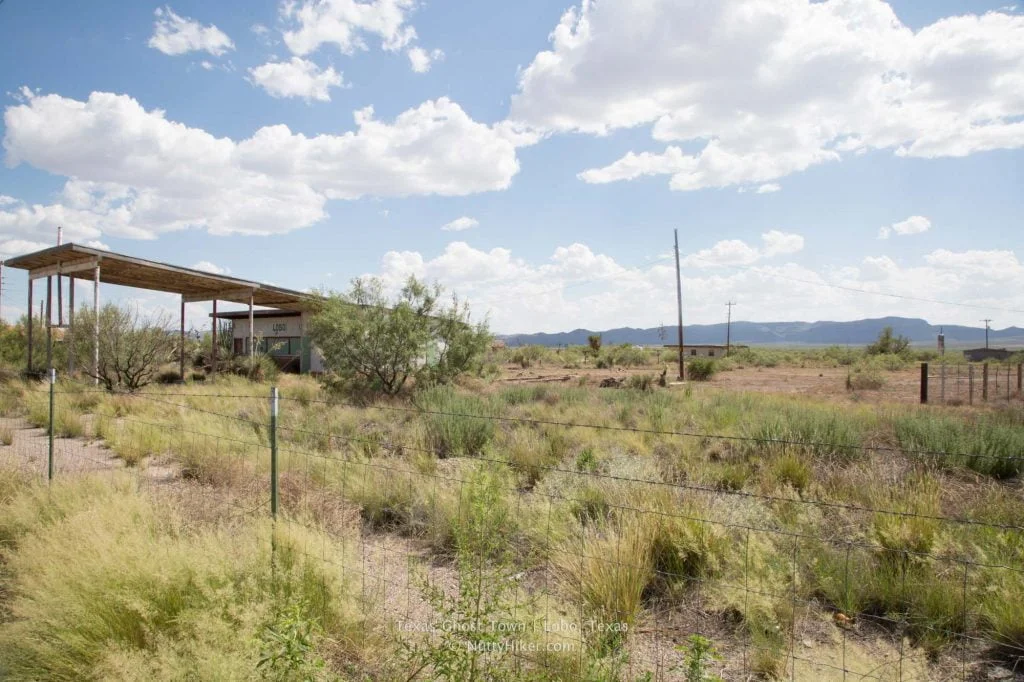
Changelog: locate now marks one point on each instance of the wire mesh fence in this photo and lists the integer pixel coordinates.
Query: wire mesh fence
(470, 561)
(972, 383)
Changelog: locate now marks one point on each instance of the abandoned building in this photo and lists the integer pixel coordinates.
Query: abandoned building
(705, 350)
(982, 354)
(281, 318)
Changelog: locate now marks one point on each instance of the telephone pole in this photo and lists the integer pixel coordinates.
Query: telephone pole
(986, 332)
(728, 328)
(679, 304)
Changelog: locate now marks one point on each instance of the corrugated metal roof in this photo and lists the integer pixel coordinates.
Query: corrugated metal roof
(116, 268)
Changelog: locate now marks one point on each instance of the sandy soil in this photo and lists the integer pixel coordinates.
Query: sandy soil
(902, 386)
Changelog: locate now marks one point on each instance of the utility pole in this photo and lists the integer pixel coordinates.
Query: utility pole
(728, 328)
(986, 333)
(679, 304)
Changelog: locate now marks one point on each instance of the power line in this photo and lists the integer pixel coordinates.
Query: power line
(728, 328)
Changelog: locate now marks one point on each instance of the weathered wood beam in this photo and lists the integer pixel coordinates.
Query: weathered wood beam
(64, 268)
(243, 295)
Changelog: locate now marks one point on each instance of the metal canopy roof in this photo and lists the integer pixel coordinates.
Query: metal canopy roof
(78, 261)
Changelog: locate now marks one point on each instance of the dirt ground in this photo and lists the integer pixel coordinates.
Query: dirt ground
(901, 386)
(827, 383)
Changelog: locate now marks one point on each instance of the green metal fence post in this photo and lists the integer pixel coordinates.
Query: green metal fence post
(49, 453)
(273, 451)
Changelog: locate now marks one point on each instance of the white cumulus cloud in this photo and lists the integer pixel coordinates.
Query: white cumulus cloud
(737, 252)
(460, 224)
(175, 35)
(576, 287)
(755, 90)
(422, 60)
(915, 224)
(134, 173)
(349, 24)
(296, 78)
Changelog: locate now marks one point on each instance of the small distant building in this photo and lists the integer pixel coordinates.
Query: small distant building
(704, 350)
(982, 354)
(279, 334)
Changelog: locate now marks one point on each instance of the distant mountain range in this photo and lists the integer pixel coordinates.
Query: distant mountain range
(857, 332)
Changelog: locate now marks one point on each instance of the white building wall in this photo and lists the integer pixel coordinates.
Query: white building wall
(279, 327)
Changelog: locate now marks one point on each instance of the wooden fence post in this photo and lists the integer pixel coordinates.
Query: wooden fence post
(984, 383)
(1020, 379)
(970, 384)
(924, 383)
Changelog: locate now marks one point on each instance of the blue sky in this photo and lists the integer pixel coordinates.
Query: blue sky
(782, 139)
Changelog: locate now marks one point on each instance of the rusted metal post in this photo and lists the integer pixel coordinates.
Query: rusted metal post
(984, 383)
(924, 383)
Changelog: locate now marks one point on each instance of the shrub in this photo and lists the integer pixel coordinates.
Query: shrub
(627, 355)
(168, 376)
(991, 447)
(6, 435)
(68, 424)
(131, 350)
(699, 653)
(793, 470)
(612, 567)
(528, 356)
(449, 428)
(260, 368)
(641, 382)
(864, 379)
(412, 338)
(114, 588)
(700, 369)
(888, 343)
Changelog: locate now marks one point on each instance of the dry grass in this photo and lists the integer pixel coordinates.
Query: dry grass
(628, 523)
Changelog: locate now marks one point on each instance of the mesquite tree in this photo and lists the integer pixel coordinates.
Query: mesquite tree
(132, 349)
(374, 344)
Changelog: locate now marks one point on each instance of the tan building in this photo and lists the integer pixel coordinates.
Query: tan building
(704, 350)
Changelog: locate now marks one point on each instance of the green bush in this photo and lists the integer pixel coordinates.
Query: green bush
(447, 431)
(864, 379)
(641, 382)
(700, 369)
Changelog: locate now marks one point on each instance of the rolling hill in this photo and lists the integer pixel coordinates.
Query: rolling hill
(856, 332)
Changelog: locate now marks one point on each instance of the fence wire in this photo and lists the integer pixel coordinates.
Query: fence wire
(972, 383)
(572, 572)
